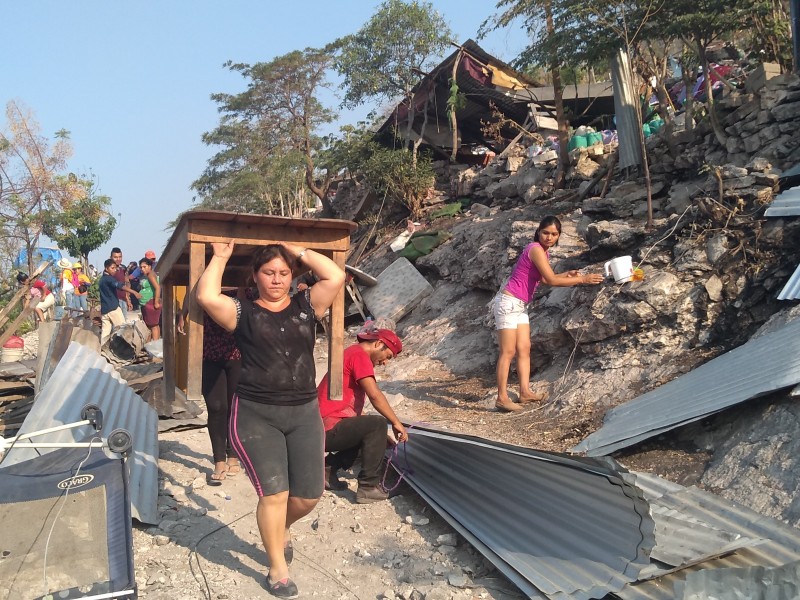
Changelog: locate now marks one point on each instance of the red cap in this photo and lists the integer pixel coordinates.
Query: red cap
(387, 336)
(150, 254)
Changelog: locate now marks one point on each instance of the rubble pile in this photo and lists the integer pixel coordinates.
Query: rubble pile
(758, 123)
(713, 268)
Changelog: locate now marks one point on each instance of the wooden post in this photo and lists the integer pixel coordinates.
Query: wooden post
(168, 332)
(197, 264)
(336, 336)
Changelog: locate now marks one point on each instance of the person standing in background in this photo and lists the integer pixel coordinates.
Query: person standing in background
(65, 282)
(110, 308)
(121, 275)
(510, 310)
(81, 282)
(150, 298)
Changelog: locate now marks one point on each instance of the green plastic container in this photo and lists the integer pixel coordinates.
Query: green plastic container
(577, 141)
(595, 138)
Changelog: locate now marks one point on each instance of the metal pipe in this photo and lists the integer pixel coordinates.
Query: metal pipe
(26, 436)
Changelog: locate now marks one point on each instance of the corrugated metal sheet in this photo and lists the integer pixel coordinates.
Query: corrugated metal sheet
(84, 377)
(791, 291)
(556, 526)
(625, 99)
(763, 365)
(779, 543)
(785, 204)
(753, 583)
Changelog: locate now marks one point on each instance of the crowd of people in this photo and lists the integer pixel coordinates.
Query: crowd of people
(119, 289)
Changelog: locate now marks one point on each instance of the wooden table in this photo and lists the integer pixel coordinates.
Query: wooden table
(185, 257)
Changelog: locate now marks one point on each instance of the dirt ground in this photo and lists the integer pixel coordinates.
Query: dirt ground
(207, 543)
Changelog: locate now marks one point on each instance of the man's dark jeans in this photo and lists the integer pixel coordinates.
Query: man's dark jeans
(366, 433)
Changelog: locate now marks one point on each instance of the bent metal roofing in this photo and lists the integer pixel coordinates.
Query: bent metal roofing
(695, 535)
(558, 527)
(765, 364)
(84, 377)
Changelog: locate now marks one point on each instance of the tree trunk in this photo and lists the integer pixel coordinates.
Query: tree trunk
(716, 126)
(558, 98)
(453, 120)
(645, 163)
(320, 192)
(407, 144)
(418, 142)
(664, 104)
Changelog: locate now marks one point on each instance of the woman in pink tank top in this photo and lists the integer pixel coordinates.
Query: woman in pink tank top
(511, 312)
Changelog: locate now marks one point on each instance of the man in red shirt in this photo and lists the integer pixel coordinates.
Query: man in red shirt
(346, 430)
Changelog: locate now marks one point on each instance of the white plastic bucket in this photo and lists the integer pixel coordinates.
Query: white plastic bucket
(11, 354)
(620, 268)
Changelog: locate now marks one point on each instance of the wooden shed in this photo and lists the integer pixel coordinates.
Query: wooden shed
(185, 257)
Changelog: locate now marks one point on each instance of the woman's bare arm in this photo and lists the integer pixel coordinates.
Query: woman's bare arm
(219, 307)
(571, 278)
(330, 278)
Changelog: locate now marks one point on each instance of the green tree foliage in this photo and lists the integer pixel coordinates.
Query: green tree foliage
(699, 23)
(83, 226)
(387, 57)
(396, 174)
(770, 32)
(391, 173)
(269, 139)
(30, 186)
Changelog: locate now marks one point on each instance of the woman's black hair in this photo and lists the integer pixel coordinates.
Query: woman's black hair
(546, 222)
(266, 253)
(22, 277)
(147, 261)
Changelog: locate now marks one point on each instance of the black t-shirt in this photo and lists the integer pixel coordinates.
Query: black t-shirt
(277, 353)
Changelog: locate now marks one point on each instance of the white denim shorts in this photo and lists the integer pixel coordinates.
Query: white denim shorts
(509, 312)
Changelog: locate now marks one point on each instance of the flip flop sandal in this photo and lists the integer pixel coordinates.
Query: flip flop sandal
(210, 480)
(238, 470)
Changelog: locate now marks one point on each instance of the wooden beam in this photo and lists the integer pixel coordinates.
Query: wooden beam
(197, 264)
(8, 308)
(172, 252)
(336, 338)
(254, 235)
(168, 331)
(26, 312)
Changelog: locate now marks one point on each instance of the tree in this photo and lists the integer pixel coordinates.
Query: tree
(269, 138)
(700, 23)
(388, 56)
(771, 32)
(83, 226)
(30, 186)
(551, 47)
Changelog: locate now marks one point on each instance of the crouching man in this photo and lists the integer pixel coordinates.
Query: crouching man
(347, 431)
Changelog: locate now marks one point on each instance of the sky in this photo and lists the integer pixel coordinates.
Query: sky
(132, 81)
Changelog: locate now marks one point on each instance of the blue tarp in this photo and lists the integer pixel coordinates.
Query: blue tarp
(50, 274)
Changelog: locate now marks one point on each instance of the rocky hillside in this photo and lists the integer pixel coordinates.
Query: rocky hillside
(713, 268)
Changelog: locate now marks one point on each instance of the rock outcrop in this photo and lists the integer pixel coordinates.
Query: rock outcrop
(713, 267)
